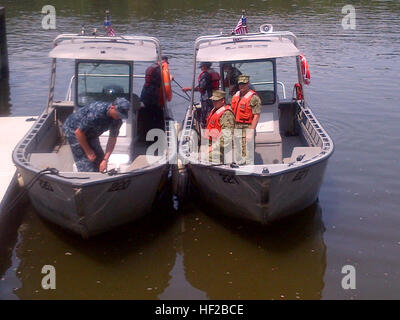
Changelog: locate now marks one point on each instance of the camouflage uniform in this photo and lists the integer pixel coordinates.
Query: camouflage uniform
(93, 120)
(227, 122)
(255, 104)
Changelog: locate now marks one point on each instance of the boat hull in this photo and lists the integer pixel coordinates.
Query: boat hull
(260, 198)
(97, 207)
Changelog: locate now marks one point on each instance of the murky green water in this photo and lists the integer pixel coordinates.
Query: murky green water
(354, 93)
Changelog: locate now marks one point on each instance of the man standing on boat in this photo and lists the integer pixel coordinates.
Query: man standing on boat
(151, 96)
(231, 78)
(246, 105)
(208, 81)
(84, 127)
(219, 130)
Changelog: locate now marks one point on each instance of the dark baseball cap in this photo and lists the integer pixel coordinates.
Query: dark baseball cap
(206, 64)
(122, 107)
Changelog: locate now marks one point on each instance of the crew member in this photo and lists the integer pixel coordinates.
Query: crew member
(152, 98)
(84, 127)
(231, 78)
(246, 105)
(219, 130)
(208, 81)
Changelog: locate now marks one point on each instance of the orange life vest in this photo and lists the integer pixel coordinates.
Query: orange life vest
(305, 69)
(166, 82)
(215, 77)
(241, 107)
(166, 79)
(299, 91)
(213, 129)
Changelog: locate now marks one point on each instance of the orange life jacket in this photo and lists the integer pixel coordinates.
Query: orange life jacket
(241, 107)
(166, 81)
(213, 129)
(215, 77)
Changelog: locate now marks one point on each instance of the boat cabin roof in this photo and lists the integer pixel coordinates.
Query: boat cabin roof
(105, 48)
(245, 47)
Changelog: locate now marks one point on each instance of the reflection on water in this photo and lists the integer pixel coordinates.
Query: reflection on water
(5, 104)
(133, 262)
(229, 259)
(163, 256)
(9, 223)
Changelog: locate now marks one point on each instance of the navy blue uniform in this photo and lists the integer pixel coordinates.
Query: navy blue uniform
(205, 86)
(150, 94)
(152, 115)
(93, 120)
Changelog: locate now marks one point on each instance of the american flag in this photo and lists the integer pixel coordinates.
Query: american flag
(107, 25)
(111, 32)
(241, 27)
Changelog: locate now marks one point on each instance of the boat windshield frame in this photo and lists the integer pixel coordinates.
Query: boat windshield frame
(132, 41)
(274, 74)
(258, 37)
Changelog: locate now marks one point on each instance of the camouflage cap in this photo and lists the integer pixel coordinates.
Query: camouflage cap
(122, 107)
(243, 79)
(218, 95)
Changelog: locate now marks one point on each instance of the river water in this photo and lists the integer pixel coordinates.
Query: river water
(194, 254)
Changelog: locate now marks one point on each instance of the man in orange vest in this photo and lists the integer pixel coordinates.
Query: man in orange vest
(151, 96)
(219, 129)
(246, 105)
(208, 81)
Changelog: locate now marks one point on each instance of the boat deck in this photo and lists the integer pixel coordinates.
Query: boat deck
(62, 159)
(288, 145)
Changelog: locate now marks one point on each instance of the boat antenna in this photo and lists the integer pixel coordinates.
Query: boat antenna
(107, 19)
(244, 22)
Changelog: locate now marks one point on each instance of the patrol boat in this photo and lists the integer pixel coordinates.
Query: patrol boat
(88, 203)
(291, 149)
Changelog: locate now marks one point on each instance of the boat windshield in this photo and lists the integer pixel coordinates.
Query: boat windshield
(102, 82)
(262, 77)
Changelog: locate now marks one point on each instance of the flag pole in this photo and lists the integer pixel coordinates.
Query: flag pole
(241, 27)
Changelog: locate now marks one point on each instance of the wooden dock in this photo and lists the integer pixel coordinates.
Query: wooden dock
(12, 130)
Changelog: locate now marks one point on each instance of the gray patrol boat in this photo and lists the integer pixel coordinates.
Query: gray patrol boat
(291, 149)
(89, 203)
